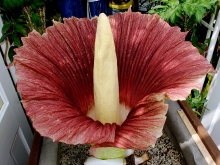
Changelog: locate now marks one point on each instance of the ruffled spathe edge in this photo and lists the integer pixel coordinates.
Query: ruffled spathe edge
(153, 57)
(143, 125)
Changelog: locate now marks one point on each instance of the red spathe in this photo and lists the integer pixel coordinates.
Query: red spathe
(55, 78)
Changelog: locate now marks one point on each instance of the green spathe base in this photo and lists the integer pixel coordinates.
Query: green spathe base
(109, 153)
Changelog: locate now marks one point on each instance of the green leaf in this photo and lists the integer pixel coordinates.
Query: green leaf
(33, 6)
(38, 2)
(206, 4)
(159, 7)
(173, 3)
(195, 100)
(179, 11)
(212, 10)
(16, 40)
(206, 108)
(197, 112)
(167, 15)
(201, 51)
(188, 9)
(196, 93)
(12, 4)
(173, 18)
(151, 11)
(199, 15)
(21, 29)
(207, 41)
(11, 53)
(202, 9)
(4, 37)
(6, 26)
(203, 101)
(165, 1)
(34, 18)
(195, 40)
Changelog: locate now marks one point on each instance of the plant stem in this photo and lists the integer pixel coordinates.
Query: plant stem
(42, 18)
(185, 23)
(26, 10)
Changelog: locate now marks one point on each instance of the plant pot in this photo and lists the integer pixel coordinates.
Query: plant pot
(175, 128)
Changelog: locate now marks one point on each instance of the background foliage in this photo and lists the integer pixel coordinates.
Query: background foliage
(187, 14)
(21, 17)
(184, 13)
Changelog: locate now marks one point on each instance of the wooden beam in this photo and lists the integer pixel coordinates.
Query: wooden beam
(35, 149)
(201, 131)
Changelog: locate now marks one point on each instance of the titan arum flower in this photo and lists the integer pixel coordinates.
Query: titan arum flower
(105, 84)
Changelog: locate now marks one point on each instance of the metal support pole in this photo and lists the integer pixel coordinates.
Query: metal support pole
(213, 38)
(211, 22)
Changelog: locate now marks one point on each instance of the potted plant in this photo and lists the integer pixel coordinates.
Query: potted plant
(69, 82)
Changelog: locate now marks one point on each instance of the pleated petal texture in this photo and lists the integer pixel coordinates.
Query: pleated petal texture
(143, 125)
(55, 78)
(154, 57)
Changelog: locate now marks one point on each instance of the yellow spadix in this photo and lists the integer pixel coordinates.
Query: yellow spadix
(105, 74)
